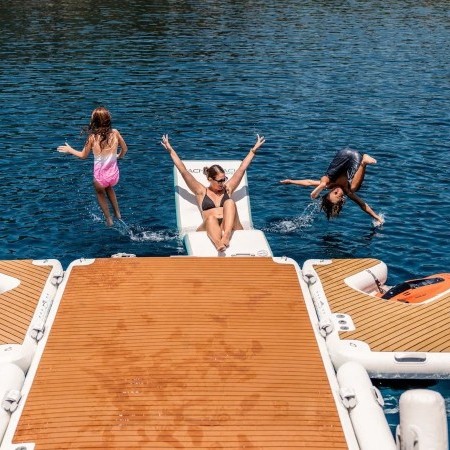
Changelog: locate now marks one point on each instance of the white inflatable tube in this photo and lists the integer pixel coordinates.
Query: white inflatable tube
(423, 421)
(11, 382)
(17, 354)
(243, 243)
(364, 403)
(369, 280)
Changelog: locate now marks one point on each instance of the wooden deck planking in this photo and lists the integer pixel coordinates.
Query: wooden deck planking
(385, 325)
(181, 353)
(17, 306)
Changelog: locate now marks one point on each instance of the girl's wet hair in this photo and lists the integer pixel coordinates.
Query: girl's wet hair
(331, 209)
(100, 124)
(212, 171)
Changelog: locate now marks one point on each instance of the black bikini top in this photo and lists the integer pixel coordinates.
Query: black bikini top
(207, 203)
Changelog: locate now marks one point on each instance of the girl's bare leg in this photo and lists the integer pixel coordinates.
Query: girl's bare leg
(113, 199)
(214, 232)
(103, 202)
(230, 221)
(361, 172)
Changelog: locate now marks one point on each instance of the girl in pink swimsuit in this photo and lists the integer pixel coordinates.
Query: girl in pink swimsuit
(104, 142)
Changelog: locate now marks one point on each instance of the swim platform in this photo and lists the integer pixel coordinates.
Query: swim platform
(179, 352)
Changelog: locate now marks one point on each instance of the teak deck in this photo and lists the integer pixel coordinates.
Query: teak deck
(18, 305)
(184, 353)
(385, 325)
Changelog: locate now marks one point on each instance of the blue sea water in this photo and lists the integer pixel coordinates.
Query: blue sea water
(312, 77)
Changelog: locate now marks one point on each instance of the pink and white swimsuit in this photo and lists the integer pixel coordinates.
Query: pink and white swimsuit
(106, 170)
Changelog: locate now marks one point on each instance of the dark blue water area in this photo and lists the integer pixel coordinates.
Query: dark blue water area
(312, 77)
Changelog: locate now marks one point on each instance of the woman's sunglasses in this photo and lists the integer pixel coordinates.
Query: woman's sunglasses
(222, 180)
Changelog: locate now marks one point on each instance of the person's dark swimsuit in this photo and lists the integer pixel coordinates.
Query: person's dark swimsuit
(207, 203)
(345, 162)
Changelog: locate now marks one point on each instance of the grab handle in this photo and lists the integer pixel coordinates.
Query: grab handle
(410, 357)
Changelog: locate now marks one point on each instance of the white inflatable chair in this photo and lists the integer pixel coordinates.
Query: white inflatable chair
(246, 242)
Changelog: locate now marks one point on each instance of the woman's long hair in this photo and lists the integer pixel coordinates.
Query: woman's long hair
(100, 125)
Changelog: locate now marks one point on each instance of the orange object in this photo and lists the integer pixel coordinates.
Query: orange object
(419, 290)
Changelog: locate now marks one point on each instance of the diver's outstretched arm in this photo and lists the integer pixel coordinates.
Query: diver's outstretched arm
(301, 182)
(365, 207)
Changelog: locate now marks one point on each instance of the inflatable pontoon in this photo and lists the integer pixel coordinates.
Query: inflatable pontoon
(27, 291)
(391, 339)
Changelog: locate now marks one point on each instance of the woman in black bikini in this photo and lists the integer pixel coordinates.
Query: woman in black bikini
(343, 177)
(219, 211)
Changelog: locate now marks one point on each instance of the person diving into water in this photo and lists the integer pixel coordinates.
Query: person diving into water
(343, 178)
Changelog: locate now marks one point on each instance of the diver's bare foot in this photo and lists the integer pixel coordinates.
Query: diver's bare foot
(109, 222)
(367, 159)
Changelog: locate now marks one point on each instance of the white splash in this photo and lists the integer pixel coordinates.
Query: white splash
(377, 224)
(137, 233)
(153, 236)
(304, 220)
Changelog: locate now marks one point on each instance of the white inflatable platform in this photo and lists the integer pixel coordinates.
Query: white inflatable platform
(246, 242)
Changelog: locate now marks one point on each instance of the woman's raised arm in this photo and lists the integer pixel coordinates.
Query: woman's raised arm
(234, 181)
(195, 186)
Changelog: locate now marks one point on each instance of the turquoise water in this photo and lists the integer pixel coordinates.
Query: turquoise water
(311, 77)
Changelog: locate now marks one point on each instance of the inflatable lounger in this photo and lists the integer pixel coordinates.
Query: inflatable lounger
(243, 242)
